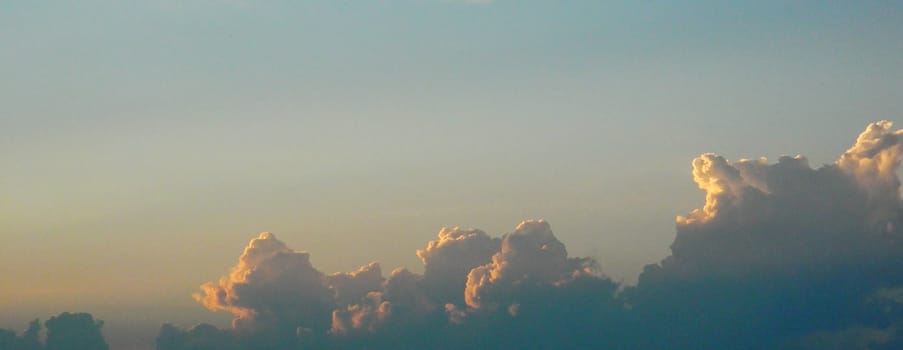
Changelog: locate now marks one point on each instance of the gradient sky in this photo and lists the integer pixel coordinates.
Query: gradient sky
(143, 143)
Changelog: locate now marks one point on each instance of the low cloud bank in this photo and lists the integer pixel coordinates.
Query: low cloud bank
(66, 331)
(781, 255)
(471, 283)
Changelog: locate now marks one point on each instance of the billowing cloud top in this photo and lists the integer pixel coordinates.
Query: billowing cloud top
(276, 294)
(785, 214)
(797, 253)
(271, 285)
(781, 255)
(448, 260)
(529, 255)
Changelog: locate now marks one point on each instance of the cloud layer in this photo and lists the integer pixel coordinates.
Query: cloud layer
(470, 281)
(66, 331)
(780, 255)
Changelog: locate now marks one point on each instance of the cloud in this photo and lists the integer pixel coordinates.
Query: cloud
(29, 340)
(449, 259)
(761, 215)
(530, 255)
(202, 336)
(74, 331)
(66, 331)
(873, 162)
(280, 300)
(780, 255)
(272, 288)
(350, 288)
(782, 248)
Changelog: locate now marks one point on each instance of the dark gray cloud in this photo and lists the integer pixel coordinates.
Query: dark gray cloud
(66, 331)
(202, 336)
(29, 340)
(74, 331)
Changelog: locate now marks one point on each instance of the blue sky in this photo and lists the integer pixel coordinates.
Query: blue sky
(143, 143)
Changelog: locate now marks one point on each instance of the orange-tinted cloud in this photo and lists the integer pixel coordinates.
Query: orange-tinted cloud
(530, 255)
(779, 255)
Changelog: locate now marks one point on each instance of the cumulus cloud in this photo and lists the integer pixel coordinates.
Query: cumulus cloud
(66, 331)
(352, 287)
(774, 215)
(280, 300)
(74, 331)
(780, 255)
(29, 340)
(272, 288)
(782, 248)
(530, 255)
(873, 162)
(449, 259)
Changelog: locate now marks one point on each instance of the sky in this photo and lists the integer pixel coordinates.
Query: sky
(143, 144)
